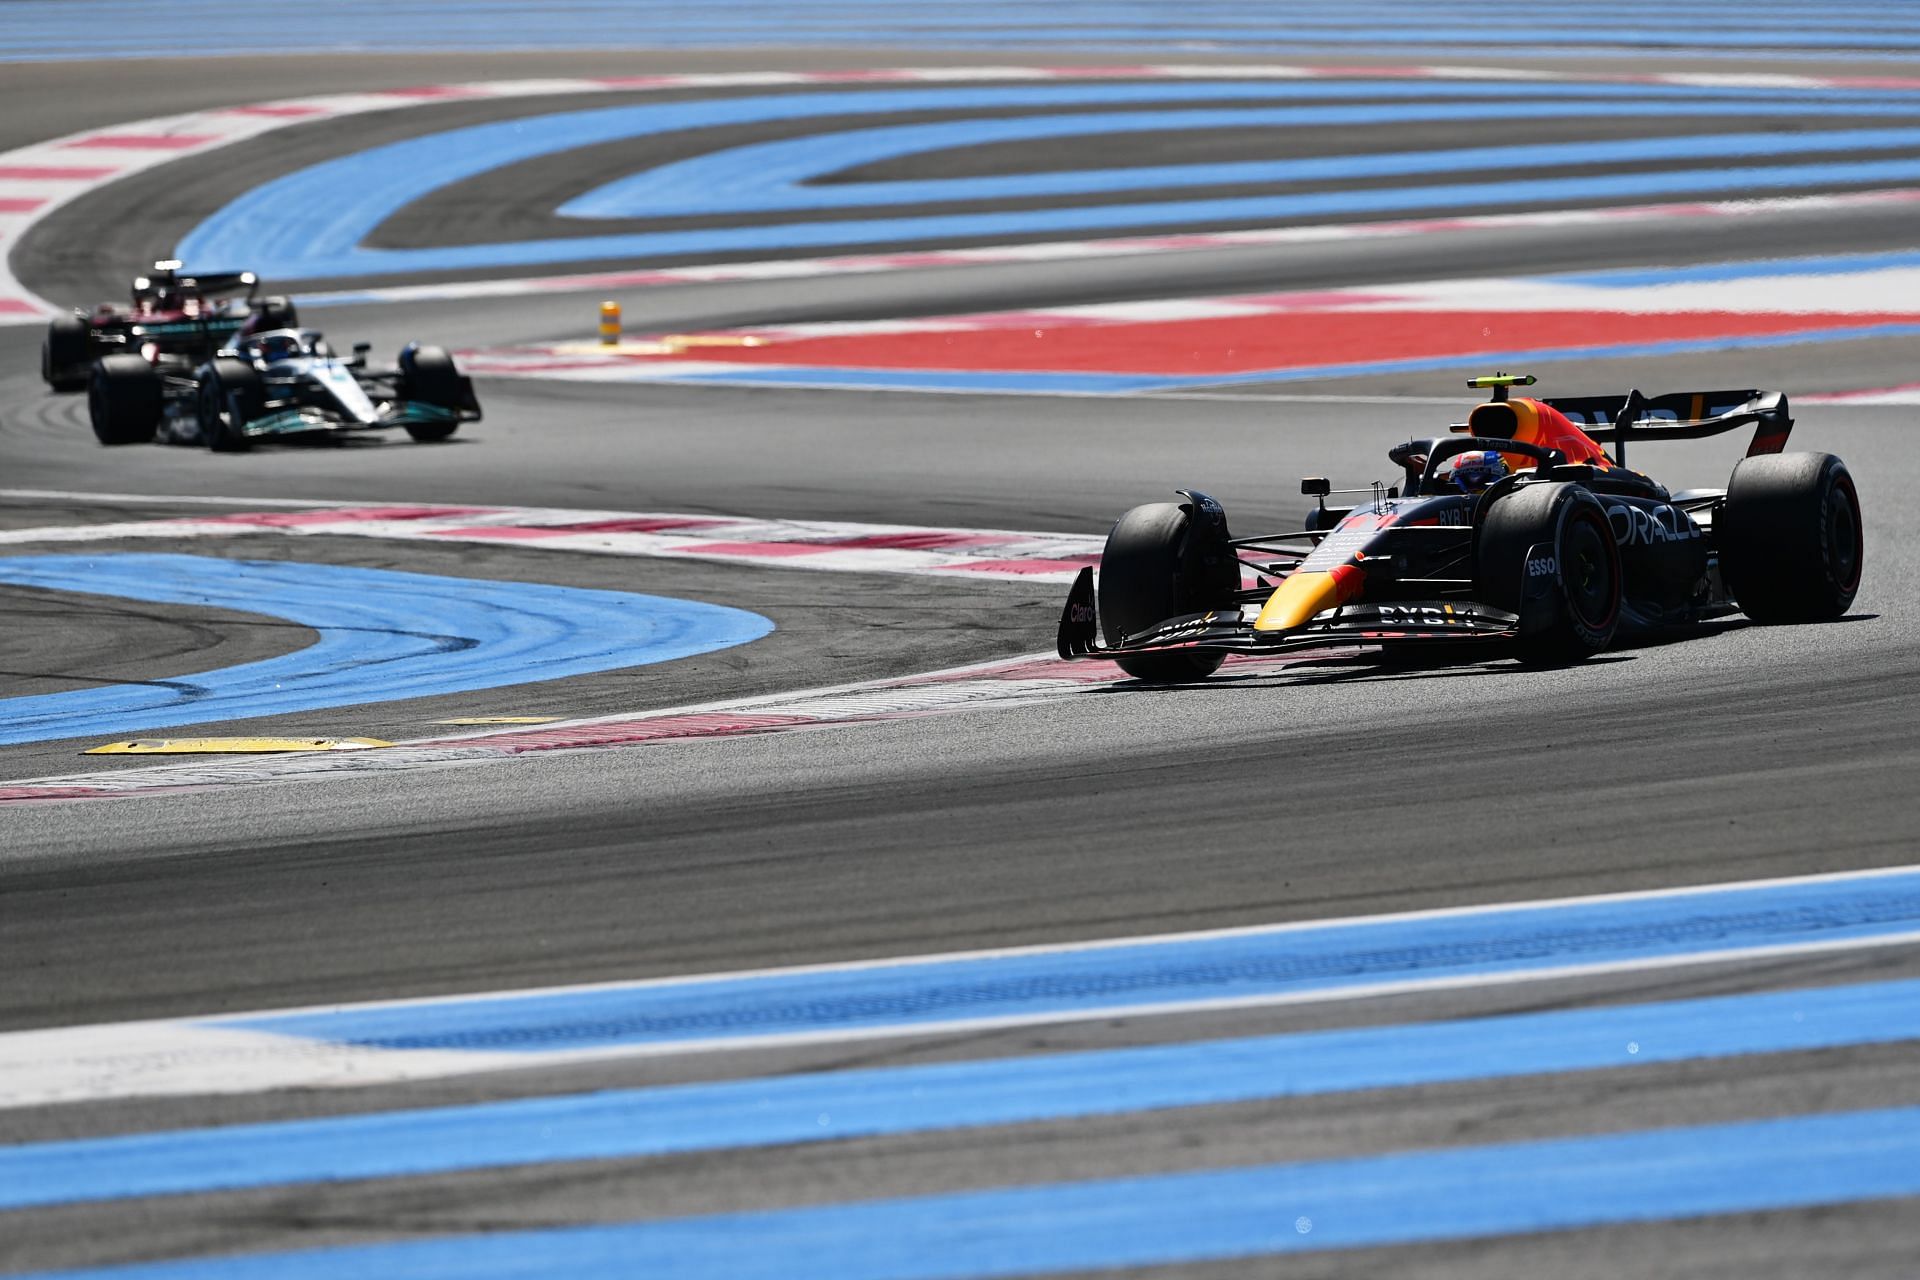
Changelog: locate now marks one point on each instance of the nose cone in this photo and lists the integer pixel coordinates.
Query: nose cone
(1295, 601)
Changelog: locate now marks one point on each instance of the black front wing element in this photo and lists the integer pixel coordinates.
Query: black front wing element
(1223, 630)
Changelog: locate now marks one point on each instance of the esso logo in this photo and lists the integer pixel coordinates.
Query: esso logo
(1542, 567)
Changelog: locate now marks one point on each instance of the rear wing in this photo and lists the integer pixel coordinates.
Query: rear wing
(218, 283)
(1681, 415)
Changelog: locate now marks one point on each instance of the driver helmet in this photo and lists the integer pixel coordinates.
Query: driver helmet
(279, 346)
(1476, 470)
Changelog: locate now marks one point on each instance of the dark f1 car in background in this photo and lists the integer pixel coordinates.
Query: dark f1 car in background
(282, 382)
(1551, 550)
(176, 321)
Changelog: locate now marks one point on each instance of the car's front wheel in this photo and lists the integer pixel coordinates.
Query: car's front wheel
(1149, 573)
(124, 399)
(1547, 553)
(429, 376)
(229, 398)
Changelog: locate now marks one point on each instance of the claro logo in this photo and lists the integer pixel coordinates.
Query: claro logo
(1641, 527)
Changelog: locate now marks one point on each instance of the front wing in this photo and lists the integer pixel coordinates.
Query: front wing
(1225, 631)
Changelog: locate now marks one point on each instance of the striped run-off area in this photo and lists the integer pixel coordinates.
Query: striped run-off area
(1830, 1156)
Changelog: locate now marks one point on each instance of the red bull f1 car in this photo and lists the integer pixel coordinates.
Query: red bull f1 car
(175, 321)
(1519, 531)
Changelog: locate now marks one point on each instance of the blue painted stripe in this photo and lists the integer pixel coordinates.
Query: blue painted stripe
(632, 1123)
(73, 28)
(314, 222)
(774, 176)
(1403, 1198)
(383, 636)
(1254, 966)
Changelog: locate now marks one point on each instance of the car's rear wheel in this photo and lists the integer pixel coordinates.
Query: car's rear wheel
(1573, 609)
(1790, 537)
(124, 399)
(429, 376)
(64, 353)
(230, 397)
(1148, 574)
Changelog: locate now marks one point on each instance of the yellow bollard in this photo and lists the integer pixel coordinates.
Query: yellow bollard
(609, 324)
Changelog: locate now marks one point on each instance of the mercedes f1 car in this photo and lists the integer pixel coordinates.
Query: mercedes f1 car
(1534, 540)
(282, 382)
(175, 321)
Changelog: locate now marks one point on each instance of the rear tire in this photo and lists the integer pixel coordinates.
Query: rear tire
(230, 397)
(1583, 610)
(428, 376)
(1147, 576)
(124, 400)
(1790, 537)
(64, 354)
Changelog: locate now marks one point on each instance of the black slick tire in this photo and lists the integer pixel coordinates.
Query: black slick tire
(1147, 576)
(64, 354)
(1575, 611)
(1790, 537)
(230, 396)
(123, 400)
(429, 376)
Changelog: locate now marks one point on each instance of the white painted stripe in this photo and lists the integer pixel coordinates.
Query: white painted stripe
(979, 553)
(182, 1056)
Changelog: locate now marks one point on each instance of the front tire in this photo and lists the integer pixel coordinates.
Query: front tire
(124, 399)
(230, 396)
(428, 376)
(1575, 614)
(1790, 537)
(1148, 574)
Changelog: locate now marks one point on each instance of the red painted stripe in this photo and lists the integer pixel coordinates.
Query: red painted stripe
(286, 110)
(295, 519)
(1022, 566)
(767, 549)
(18, 307)
(21, 204)
(144, 141)
(52, 172)
(531, 532)
(1240, 344)
(52, 793)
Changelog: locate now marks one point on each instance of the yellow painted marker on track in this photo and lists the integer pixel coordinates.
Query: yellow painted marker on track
(229, 746)
(609, 324)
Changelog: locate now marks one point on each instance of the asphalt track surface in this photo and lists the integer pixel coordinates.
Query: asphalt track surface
(1338, 789)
